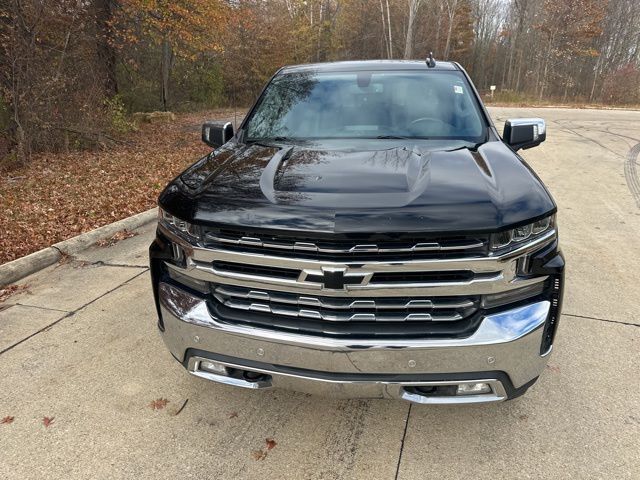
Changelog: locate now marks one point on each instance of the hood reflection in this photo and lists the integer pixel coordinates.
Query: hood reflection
(400, 187)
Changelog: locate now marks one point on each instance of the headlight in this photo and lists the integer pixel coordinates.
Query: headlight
(516, 236)
(185, 229)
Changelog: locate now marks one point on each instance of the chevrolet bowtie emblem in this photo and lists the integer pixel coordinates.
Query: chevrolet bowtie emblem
(334, 278)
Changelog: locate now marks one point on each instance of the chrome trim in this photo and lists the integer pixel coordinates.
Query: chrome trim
(250, 241)
(493, 273)
(433, 303)
(482, 286)
(497, 328)
(477, 264)
(498, 394)
(395, 389)
(368, 248)
(538, 122)
(336, 317)
(194, 369)
(508, 341)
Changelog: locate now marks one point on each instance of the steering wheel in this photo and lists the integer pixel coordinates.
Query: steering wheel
(437, 127)
(428, 119)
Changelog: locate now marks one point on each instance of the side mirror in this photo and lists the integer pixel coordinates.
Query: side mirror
(524, 132)
(216, 134)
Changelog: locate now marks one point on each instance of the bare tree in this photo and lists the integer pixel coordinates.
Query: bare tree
(413, 5)
(58, 58)
(488, 17)
(385, 39)
(451, 5)
(104, 44)
(389, 28)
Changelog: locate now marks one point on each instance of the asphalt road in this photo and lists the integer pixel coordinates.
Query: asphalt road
(82, 347)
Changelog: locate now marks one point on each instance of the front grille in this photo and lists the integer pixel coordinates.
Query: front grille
(411, 277)
(353, 287)
(399, 246)
(258, 270)
(339, 317)
(380, 278)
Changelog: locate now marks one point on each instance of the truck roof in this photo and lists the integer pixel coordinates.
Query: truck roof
(368, 65)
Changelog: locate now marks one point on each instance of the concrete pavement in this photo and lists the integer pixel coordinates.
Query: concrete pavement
(81, 346)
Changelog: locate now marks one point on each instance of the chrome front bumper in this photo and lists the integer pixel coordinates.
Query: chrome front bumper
(507, 343)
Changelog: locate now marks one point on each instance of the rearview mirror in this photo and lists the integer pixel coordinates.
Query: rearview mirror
(524, 132)
(216, 134)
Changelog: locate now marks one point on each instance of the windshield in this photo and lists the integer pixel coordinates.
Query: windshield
(405, 104)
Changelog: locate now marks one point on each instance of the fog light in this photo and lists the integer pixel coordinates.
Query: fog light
(473, 389)
(213, 367)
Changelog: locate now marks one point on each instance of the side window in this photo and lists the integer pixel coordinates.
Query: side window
(267, 119)
(275, 115)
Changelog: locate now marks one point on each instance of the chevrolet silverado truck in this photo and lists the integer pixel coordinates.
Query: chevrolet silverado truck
(365, 232)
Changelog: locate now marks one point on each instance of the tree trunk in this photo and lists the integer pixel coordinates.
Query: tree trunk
(436, 47)
(511, 54)
(385, 46)
(519, 72)
(166, 70)
(447, 45)
(389, 26)
(451, 10)
(595, 78)
(320, 33)
(544, 79)
(104, 48)
(21, 154)
(408, 46)
(546, 66)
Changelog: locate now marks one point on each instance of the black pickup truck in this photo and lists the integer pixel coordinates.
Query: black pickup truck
(365, 232)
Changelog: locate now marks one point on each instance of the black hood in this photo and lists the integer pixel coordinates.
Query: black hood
(331, 188)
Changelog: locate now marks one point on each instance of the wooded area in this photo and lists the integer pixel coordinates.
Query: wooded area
(73, 70)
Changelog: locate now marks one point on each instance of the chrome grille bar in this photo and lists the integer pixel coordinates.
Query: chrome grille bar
(364, 248)
(480, 264)
(344, 304)
(337, 317)
(313, 277)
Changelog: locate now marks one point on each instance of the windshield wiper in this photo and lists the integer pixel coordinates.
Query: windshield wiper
(393, 137)
(473, 147)
(262, 140)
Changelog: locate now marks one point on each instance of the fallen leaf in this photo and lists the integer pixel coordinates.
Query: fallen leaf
(117, 237)
(36, 214)
(553, 368)
(46, 421)
(159, 404)
(259, 454)
(233, 415)
(271, 443)
(7, 419)
(65, 258)
(262, 454)
(9, 290)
